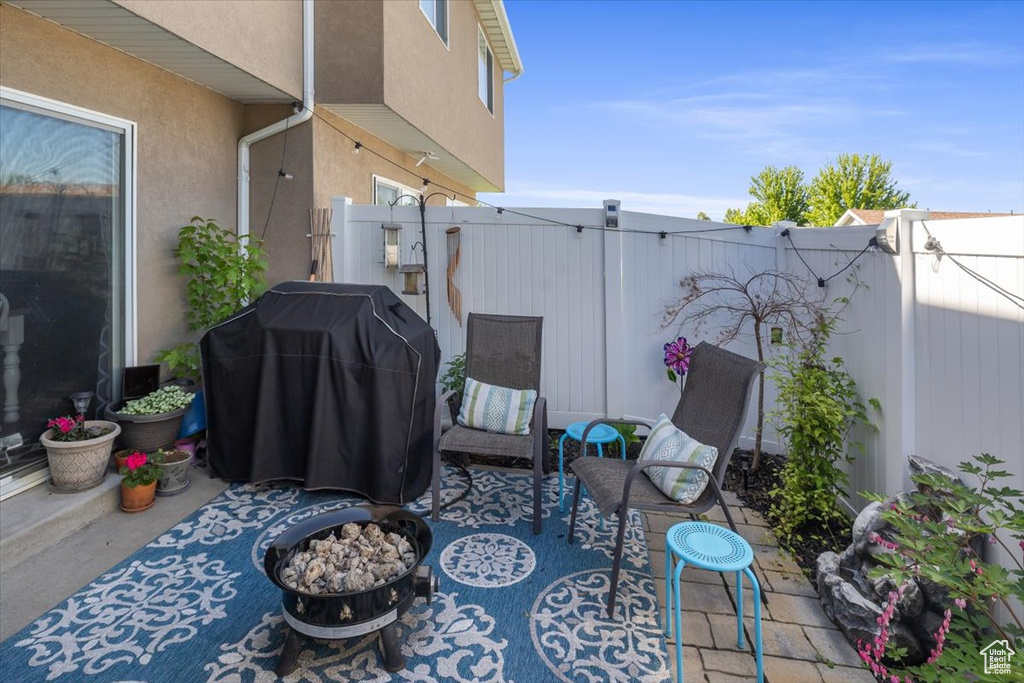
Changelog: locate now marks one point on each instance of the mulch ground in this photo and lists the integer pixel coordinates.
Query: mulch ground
(753, 488)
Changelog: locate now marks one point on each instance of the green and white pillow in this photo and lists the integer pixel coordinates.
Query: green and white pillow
(498, 410)
(669, 443)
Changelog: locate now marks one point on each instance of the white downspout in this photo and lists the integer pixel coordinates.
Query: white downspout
(275, 128)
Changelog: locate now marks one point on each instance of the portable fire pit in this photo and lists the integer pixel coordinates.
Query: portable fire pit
(337, 615)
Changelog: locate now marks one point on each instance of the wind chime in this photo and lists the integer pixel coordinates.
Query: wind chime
(454, 240)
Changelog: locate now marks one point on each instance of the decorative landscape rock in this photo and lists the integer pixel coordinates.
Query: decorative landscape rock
(363, 558)
(854, 602)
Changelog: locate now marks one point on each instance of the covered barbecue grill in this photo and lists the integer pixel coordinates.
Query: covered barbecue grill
(331, 385)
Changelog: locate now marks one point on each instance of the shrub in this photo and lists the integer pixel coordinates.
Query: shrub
(454, 377)
(936, 541)
(818, 406)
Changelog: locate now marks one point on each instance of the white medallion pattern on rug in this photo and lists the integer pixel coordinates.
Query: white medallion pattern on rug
(488, 560)
(497, 498)
(130, 615)
(230, 514)
(590, 536)
(577, 641)
(457, 639)
(259, 548)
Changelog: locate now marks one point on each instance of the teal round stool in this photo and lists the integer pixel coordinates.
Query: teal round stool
(600, 434)
(708, 546)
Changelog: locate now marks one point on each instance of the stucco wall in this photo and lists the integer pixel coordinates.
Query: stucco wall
(187, 137)
(387, 52)
(261, 37)
(435, 87)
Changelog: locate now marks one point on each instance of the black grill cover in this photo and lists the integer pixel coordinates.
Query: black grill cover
(328, 384)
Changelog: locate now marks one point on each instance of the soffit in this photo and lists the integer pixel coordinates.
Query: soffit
(119, 28)
(382, 122)
(495, 24)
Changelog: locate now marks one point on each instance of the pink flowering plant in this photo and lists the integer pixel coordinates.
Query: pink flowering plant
(140, 469)
(69, 428)
(677, 360)
(943, 534)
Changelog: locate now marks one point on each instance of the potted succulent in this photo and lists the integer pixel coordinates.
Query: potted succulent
(138, 481)
(152, 422)
(173, 472)
(78, 451)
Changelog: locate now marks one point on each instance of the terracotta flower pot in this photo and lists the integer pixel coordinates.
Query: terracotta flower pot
(138, 498)
(80, 465)
(121, 458)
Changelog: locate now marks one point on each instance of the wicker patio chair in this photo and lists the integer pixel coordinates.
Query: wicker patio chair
(503, 350)
(711, 409)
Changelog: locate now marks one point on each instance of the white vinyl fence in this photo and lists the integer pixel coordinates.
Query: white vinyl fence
(943, 353)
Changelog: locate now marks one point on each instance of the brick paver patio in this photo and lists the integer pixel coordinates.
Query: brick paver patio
(801, 644)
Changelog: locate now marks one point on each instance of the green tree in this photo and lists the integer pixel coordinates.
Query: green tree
(854, 181)
(701, 216)
(780, 195)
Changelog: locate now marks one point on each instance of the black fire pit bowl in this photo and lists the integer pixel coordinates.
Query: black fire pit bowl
(334, 616)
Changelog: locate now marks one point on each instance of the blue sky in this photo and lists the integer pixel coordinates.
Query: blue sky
(671, 107)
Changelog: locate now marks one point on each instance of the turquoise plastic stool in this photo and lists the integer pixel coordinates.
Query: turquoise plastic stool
(718, 549)
(600, 434)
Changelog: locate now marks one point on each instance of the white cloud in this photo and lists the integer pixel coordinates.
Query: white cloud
(967, 54)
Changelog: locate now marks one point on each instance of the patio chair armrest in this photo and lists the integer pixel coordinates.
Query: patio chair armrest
(539, 430)
(641, 465)
(440, 406)
(611, 423)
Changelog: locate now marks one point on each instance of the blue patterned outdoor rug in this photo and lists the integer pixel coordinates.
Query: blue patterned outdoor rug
(194, 604)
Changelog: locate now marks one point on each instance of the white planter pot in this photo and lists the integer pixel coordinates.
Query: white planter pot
(80, 465)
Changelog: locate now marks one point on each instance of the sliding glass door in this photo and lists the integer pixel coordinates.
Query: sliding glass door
(65, 205)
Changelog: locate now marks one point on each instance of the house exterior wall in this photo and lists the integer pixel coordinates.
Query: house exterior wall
(186, 148)
(261, 37)
(388, 53)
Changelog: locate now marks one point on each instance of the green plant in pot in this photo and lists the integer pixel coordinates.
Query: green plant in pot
(78, 451)
(174, 466)
(454, 379)
(152, 422)
(139, 475)
(223, 273)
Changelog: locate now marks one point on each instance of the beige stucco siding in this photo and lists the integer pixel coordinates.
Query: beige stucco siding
(187, 137)
(387, 53)
(434, 87)
(261, 37)
(338, 172)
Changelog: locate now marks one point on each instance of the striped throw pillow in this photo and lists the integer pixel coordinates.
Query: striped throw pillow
(669, 443)
(499, 410)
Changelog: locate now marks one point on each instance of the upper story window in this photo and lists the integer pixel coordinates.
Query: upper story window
(485, 70)
(437, 15)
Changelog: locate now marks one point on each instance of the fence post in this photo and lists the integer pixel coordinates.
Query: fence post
(617, 360)
(780, 246)
(340, 237)
(896, 473)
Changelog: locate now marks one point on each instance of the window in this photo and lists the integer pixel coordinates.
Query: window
(387, 191)
(66, 258)
(485, 87)
(437, 14)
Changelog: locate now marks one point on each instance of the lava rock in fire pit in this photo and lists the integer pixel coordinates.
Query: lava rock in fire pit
(363, 558)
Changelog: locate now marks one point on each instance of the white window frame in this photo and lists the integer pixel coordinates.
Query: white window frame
(489, 65)
(129, 129)
(402, 189)
(433, 20)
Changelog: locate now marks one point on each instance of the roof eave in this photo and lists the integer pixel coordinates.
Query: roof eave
(499, 32)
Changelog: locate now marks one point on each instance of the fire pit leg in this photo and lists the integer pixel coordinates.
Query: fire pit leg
(391, 649)
(289, 659)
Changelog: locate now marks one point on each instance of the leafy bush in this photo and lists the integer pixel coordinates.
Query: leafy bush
(223, 273)
(936, 541)
(454, 377)
(164, 400)
(818, 406)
